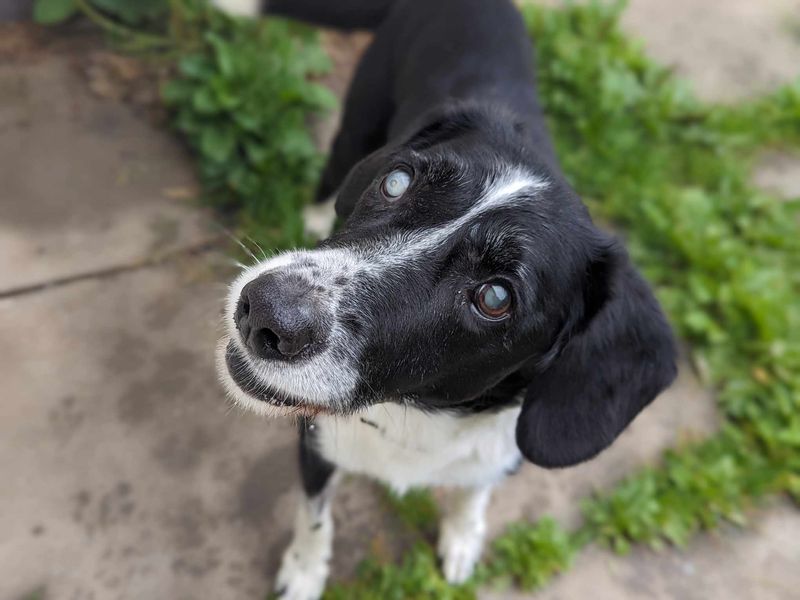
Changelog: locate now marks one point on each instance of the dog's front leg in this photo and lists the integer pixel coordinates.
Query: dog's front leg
(304, 567)
(462, 531)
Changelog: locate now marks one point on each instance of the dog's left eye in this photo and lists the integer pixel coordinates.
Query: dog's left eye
(395, 184)
(493, 300)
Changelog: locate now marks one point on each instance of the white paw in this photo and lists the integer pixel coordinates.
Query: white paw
(318, 219)
(240, 8)
(299, 580)
(460, 552)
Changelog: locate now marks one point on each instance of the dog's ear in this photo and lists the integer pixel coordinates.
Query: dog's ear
(360, 177)
(430, 129)
(611, 361)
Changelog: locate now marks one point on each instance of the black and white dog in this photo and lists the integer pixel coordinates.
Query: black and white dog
(468, 314)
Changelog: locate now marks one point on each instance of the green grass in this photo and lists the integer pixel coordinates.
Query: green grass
(416, 510)
(528, 555)
(416, 576)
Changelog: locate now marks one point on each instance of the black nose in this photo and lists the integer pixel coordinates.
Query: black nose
(278, 317)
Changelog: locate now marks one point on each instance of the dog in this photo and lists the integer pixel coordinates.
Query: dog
(468, 315)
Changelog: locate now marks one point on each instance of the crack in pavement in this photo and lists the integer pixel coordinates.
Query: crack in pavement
(144, 263)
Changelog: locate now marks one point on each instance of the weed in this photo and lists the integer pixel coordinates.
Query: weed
(530, 554)
(416, 509)
(417, 576)
(242, 101)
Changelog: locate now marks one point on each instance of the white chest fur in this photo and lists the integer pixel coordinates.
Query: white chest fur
(405, 447)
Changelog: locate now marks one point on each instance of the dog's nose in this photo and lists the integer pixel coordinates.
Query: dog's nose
(277, 319)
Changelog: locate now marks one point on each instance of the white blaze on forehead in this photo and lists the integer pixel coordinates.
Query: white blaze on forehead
(330, 377)
(396, 250)
(502, 192)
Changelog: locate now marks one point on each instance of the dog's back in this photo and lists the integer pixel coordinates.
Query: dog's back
(347, 14)
(428, 51)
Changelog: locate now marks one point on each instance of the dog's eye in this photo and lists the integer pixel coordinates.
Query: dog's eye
(395, 184)
(493, 300)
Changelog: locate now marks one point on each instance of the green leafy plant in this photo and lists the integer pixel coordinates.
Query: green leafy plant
(49, 12)
(242, 100)
(417, 576)
(674, 173)
(134, 12)
(530, 554)
(416, 509)
(129, 12)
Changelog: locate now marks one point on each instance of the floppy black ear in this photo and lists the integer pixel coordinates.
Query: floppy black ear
(357, 181)
(615, 359)
(431, 128)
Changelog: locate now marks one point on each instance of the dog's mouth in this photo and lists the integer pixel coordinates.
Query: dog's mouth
(246, 380)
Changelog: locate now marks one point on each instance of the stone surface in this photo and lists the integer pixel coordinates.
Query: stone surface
(778, 173)
(128, 479)
(729, 49)
(85, 183)
(759, 562)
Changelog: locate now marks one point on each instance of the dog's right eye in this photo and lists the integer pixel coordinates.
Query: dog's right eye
(395, 184)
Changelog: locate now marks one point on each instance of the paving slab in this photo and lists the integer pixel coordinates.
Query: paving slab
(778, 173)
(128, 478)
(729, 50)
(86, 184)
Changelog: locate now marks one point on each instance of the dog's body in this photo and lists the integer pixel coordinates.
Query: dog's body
(408, 448)
(468, 314)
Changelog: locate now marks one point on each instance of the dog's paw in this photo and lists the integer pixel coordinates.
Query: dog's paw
(459, 552)
(298, 580)
(240, 8)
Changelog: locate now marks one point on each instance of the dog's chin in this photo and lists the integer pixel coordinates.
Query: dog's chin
(246, 390)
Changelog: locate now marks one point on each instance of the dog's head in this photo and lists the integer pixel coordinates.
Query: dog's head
(465, 263)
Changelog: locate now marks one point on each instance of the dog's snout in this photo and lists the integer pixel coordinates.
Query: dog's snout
(277, 318)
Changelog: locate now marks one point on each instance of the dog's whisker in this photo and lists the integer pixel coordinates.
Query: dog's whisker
(228, 233)
(264, 255)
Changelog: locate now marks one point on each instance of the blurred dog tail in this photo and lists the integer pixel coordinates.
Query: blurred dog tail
(338, 14)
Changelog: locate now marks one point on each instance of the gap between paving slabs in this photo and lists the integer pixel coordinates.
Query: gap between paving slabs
(144, 263)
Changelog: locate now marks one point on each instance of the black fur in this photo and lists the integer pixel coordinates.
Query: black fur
(352, 14)
(447, 89)
(314, 469)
